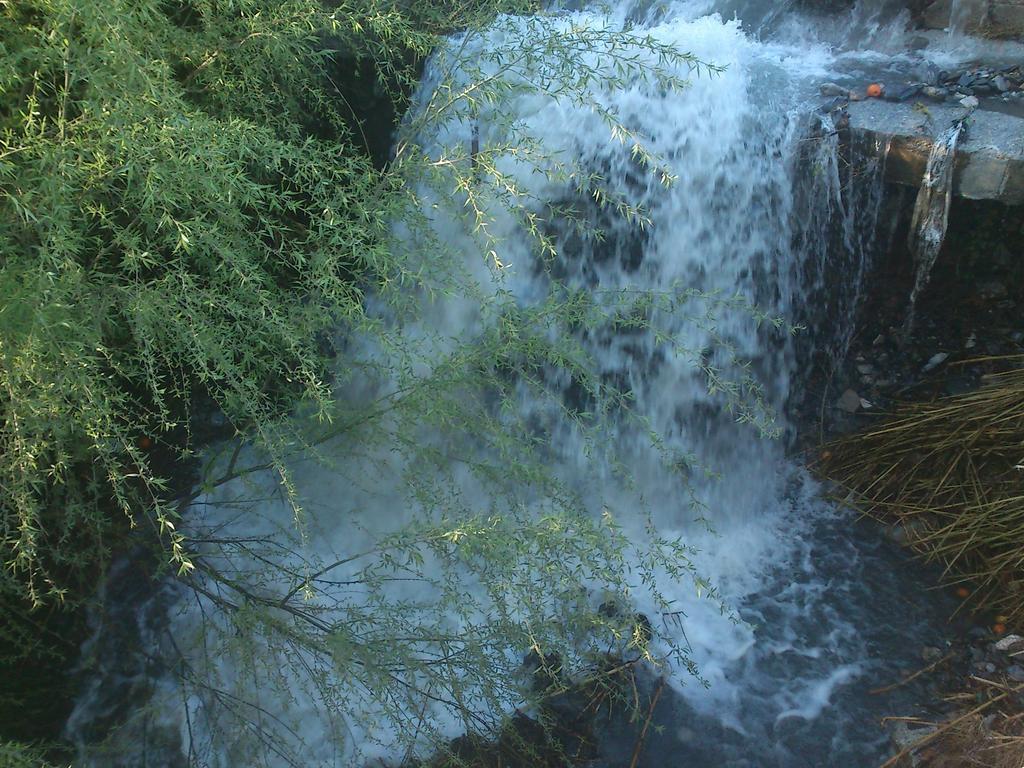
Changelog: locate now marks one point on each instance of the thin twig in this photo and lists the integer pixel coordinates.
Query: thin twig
(914, 676)
(643, 731)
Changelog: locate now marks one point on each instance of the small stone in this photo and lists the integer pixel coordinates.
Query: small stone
(865, 369)
(849, 401)
(1016, 673)
(935, 361)
(905, 738)
(970, 101)
(972, 341)
(831, 89)
(905, 94)
(984, 667)
(965, 81)
(1010, 644)
(1001, 83)
(934, 92)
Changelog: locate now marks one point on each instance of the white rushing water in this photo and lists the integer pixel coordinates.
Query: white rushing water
(764, 206)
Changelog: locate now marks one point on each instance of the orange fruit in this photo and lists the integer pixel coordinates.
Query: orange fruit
(874, 90)
(963, 592)
(999, 628)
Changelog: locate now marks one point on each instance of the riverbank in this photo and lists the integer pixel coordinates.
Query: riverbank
(952, 381)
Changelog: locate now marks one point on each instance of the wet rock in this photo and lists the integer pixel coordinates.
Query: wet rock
(1016, 673)
(904, 533)
(905, 94)
(1001, 83)
(849, 402)
(935, 361)
(1010, 644)
(934, 92)
(969, 101)
(831, 89)
(965, 80)
(904, 737)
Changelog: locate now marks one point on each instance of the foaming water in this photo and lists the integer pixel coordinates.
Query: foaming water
(764, 212)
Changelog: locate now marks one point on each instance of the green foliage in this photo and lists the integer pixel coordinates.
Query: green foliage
(14, 755)
(186, 209)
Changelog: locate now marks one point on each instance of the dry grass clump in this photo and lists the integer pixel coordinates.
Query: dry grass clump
(951, 474)
(989, 734)
(981, 741)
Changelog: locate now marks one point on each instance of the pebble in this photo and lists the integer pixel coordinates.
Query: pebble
(970, 101)
(1010, 644)
(831, 89)
(985, 667)
(1001, 84)
(935, 361)
(1016, 673)
(934, 92)
(849, 401)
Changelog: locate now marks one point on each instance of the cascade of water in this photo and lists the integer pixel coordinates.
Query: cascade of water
(931, 212)
(762, 207)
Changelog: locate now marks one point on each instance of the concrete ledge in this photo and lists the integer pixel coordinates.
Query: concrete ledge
(990, 160)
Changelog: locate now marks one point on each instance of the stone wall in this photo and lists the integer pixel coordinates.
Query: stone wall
(989, 18)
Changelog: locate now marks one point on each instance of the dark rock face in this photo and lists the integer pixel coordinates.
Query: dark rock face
(989, 18)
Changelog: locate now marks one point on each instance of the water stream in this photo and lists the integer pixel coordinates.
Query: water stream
(931, 212)
(765, 206)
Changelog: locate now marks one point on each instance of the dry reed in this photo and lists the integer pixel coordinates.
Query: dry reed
(950, 473)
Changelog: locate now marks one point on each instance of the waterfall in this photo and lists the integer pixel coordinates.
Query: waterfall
(764, 215)
(931, 213)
